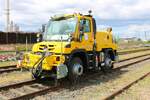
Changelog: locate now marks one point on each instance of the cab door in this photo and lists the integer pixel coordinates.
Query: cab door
(86, 34)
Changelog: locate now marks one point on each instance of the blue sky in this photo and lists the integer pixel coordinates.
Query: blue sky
(127, 17)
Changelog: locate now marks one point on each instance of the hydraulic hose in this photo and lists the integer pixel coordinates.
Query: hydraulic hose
(38, 68)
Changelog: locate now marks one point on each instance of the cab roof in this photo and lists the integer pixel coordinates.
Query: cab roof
(63, 16)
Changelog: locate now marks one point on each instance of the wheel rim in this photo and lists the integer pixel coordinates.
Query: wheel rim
(78, 69)
(108, 63)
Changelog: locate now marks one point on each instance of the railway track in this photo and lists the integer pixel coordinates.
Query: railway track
(133, 58)
(7, 69)
(132, 51)
(34, 88)
(113, 95)
(31, 88)
(138, 61)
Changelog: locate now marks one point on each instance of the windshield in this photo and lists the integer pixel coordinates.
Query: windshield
(60, 29)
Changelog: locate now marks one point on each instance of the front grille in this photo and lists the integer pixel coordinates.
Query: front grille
(51, 45)
(42, 47)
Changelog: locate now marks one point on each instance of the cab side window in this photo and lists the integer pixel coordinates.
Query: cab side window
(86, 25)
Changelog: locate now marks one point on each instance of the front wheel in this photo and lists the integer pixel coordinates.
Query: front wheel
(75, 70)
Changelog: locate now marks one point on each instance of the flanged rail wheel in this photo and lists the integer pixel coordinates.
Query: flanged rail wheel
(108, 64)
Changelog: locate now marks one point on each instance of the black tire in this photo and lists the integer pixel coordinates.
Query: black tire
(108, 64)
(73, 77)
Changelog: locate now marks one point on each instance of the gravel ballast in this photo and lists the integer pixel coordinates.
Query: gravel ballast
(101, 86)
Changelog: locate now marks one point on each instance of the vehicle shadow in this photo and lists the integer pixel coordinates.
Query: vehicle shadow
(88, 79)
(99, 78)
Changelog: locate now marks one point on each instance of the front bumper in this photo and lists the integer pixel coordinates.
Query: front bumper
(47, 64)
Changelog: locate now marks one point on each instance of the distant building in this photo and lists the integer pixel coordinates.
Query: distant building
(11, 26)
(130, 39)
(14, 27)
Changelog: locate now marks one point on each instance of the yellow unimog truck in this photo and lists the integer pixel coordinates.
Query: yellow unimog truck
(70, 46)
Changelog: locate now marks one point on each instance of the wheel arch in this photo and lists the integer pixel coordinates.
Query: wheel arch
(82, 54)
(110, 52)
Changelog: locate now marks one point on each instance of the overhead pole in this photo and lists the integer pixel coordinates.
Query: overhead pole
(7, 15)
(145, 36)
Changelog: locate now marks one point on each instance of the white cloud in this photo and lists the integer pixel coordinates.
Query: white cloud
(139, 10)
(139, 28)
(102, 27)
(32, 13)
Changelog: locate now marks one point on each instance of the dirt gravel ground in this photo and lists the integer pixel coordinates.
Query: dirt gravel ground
(14, 77)
(99, 87)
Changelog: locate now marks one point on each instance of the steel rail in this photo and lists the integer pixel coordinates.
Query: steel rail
(132, 51)
(29, 95)
(9, 70)
(132, 63)
(133, 58)
(37, 93)
(17, 84)
(6, 67)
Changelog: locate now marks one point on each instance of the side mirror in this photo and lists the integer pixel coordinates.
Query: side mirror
(39, 38)
(81, 29)
(81, 33)
(71, 37)
(80, 37)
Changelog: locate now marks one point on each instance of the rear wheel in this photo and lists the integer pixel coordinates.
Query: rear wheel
(75, 70)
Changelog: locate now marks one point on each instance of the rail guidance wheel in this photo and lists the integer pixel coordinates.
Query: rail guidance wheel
(75, 70)
(108, 64)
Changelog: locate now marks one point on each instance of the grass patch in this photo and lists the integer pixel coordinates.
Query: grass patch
(8, 63)
(14, 47)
